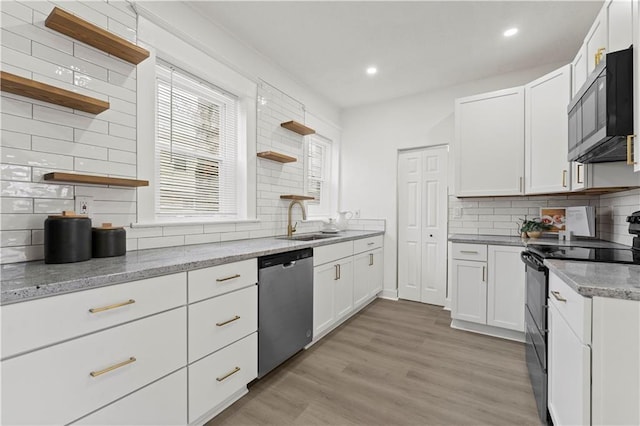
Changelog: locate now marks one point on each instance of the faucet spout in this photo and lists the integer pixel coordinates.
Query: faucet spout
(292, 229)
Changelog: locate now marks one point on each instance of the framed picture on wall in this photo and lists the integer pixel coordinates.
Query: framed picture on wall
(554, 216)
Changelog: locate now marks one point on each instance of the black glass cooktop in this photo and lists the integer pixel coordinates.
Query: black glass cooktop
(589, 254)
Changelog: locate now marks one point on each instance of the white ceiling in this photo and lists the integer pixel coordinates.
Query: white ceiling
(417, 46)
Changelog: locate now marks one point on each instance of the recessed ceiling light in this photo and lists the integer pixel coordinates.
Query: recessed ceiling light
(511, 32)
(372, 70)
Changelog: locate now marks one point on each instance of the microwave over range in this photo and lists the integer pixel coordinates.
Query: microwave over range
(601, 113)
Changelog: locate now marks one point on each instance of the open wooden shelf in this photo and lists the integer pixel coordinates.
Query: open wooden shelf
(95, 180)
(296, 197)
(300, 129)
(44, 92)
(86, 32)
(276, 156)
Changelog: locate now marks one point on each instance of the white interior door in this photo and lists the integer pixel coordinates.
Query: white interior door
(422, 225)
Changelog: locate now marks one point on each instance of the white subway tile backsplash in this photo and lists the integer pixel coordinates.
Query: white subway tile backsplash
(35, 158)
(59, 58)
(37, 66)
(125, 16)
(104, 60)
(68, 148)
(35, 127)
(37, 32)
(104, 167)
(157, 242)
(107, 194)
(15, 140)
(15, 238)
(122, 131)
(230, 236)
(16, 107)
(117, 207)
(21, 254)
(17, 10)
(116, 104)
(107, 141)
(14, 41)
(38, 6)
(22, 221)
(122, 156)
(35, 190)
(99, 86)
(182, 230)
(52, 206)
(19, 173)
(17, 205)
(201, 238)
(83, 11)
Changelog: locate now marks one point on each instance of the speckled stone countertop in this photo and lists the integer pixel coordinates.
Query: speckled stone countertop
(523, 242)
(34, 280)
(598, 279)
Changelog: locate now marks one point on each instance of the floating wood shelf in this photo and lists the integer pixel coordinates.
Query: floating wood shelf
(44, 92)
(276, 156)
(75, 27)
(296, 197)
(95, 180)
(300, 129)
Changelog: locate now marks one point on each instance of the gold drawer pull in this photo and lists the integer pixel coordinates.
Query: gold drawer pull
(564, 178)
(113, 367)
(231, 373)
(580, 179)
(228, 278)
(114, 306)
(371, 243)
(630, 150)
(468, 251)
(559, 298)
(370, 259)
(220, 324)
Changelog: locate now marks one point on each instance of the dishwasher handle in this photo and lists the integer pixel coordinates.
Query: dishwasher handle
(289, 264)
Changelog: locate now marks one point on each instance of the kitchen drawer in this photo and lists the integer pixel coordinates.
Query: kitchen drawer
(217, 322)
(214, 379)
(54, 385)
(161, 403)
(574, 308)
(463, 251)
(38, 323)
(209, 282)
(367, 244)
(326, 254)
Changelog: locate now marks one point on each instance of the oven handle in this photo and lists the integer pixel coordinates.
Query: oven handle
(531, 261)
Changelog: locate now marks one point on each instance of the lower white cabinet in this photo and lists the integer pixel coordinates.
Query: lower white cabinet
(64, 382)
(161, 403)
(367, 282)
(488, 289)
(343, 282)
(221, 376)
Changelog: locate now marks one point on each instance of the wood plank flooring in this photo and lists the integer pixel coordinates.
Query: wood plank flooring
(394, 363)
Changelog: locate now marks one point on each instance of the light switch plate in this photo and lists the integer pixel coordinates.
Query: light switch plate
(84, 205)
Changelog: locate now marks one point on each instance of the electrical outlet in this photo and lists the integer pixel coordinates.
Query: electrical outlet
(84, 205)
(356, 214)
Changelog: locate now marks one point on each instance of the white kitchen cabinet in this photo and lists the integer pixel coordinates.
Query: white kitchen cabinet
(546, 133)
(579, 70)
(376, 272)
(596, 39)
(505, 288)
(489, 144)
(619, 24)
(488, 289)
(469, 292)
(323, 296)
(343, 293)
(578, 172)
(367, 282)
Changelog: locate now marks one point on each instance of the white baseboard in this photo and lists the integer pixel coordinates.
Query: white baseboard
(389, 294)
(488, 330)
(220, 407)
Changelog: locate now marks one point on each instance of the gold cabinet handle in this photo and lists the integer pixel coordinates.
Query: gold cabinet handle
(113, 367)
(484, 274)
(559, 298)
(339, 272)
(370, 259)
(630, 150)
(469, 251)
(371, 243)
(598, 55)
(235, 318)
(520, 184)
(227, 278)
(579, 178)
(564, 178)
(230, 373)
(336, 277)
(114, 306)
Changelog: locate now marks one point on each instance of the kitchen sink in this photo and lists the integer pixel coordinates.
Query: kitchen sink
(307, 237)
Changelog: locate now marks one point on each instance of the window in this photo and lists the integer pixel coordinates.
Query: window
(318, 175)
(196, 147)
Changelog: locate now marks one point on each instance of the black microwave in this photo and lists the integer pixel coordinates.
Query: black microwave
(601, 113)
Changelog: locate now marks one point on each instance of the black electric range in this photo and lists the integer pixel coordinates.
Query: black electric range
(588, 254)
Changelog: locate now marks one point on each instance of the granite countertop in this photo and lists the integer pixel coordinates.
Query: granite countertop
(34, 280)
(598, 279)
(523, 242)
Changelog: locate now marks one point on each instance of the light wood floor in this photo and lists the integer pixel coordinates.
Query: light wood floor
(394, 363)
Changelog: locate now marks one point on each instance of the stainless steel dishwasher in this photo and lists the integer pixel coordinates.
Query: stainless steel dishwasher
(285, 306)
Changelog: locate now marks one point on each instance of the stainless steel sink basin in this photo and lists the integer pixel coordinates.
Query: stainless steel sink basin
(307, 237)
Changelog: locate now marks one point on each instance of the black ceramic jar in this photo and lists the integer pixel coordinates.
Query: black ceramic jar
(67, 238)
(108, 241)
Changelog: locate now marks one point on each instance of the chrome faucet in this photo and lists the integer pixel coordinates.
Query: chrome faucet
(292, 229)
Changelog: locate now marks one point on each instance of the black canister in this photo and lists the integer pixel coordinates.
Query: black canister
(67, 238)
(108, 241)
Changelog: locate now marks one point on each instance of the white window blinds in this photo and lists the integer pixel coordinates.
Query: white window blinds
(318, 169)
(196, 147)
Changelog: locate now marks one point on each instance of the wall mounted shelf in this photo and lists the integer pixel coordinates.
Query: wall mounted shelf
(296, 197)
(94, 180)
(298, 128)
(276, 156)
(44, 92)
(86, 32)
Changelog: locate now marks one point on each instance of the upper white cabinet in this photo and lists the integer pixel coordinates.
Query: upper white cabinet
(596, 39)
(546, 138)
(579, 70)
(490, 143)
(619, 24)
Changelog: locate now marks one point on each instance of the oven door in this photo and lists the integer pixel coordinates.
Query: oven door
(536, 289)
